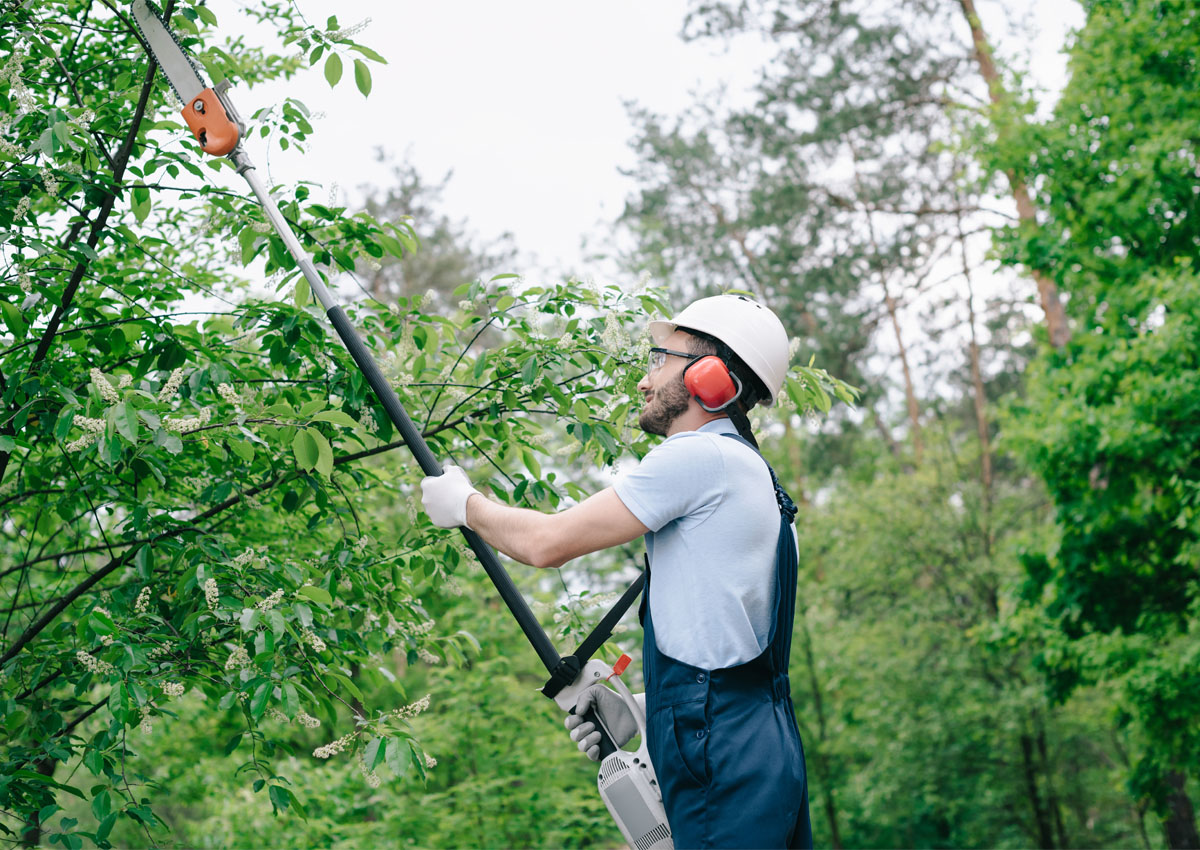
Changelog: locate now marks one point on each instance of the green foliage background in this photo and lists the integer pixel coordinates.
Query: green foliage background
(223, 610)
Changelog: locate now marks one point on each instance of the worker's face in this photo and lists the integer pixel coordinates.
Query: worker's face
(666, 397)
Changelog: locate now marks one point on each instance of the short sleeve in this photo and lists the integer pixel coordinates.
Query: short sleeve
(683, 477)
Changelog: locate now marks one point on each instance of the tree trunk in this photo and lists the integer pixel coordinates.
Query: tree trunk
(885, 433)
(1056, 317)
(31, 835)
(1040, 816)
(796, 480)
(910, 394)
(1060, 832)
(818, 753)
(981, 422)
(1180, 822)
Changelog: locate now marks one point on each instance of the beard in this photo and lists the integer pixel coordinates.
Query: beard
(665, 406)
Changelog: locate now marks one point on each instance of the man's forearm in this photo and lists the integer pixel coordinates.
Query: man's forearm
(520, 533)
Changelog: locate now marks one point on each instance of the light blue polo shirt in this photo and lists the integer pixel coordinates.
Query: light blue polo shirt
(714, 528)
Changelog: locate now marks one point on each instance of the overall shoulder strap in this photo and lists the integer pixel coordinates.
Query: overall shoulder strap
(786, 506)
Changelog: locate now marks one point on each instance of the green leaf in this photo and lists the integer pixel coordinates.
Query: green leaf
(395, 756)
(7, 444)
(140, 199)
(106, 826)
(168, 440)
(529, 370)
(375, 753)
(316, 594)
(126, 420)
(333, 69)
(291, 701)
(337, 417)
(101, 805)
(12, 318)
(369, 53)
(300, 295)
(324, 462)
(232, 743)
(241, 448)
(362, 77)
(250, 619)
(310, 407)
(101, 623)
(306, 450)
(280, 798)
(262, 696)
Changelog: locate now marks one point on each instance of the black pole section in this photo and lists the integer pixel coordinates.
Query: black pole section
(429, 464)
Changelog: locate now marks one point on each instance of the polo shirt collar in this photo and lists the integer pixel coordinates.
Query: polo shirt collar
(724, 425)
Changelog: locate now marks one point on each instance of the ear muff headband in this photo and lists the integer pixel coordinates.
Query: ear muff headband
(711, 382)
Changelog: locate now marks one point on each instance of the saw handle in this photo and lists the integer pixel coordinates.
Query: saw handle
(607, 745)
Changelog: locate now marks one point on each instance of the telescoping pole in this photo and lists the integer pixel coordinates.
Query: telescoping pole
(554, 663)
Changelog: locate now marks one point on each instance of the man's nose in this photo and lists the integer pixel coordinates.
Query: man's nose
(644, 383)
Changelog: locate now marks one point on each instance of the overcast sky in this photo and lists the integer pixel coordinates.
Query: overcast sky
(524, 102)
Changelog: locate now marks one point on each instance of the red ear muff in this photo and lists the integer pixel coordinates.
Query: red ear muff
(711, 382)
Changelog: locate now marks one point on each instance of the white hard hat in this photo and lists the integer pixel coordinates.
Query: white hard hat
(751, 331)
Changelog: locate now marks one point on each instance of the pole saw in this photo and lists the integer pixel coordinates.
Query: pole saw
(626, 780)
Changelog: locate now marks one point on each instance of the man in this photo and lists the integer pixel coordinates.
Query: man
(720, 592)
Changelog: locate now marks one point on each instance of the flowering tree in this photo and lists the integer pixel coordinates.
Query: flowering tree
(187, 493)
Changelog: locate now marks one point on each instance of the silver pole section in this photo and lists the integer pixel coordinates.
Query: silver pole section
(246, 168)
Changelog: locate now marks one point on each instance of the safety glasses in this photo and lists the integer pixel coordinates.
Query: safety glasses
(658, 357)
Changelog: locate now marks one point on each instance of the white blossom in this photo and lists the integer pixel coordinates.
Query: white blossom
(271, 601)
(614, 338)
(412, 709)
(23, 280)
(307, 720)
(92, 663)
(368, 774)
(427, 656)
(81, 442)
(126, 380)
(334, 747)
(246, 557)
(173, 689)
(212, 593)
(312, 639)
(419, 629)
(171, 386)
(227, 392)
(146, 725)
(22, 207)
(237, 658)
(49, 180)
(190, 423)
(107, 392)
(347, 32)
(90, 424)
(430, 762)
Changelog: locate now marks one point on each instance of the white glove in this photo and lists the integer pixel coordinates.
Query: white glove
(614, 714)
(445, 496)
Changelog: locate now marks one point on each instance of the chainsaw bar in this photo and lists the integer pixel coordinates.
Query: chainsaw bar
(181, 72)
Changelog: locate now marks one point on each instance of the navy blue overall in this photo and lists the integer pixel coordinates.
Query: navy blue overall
(724, 743)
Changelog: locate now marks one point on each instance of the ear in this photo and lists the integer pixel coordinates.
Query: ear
(709, 380)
